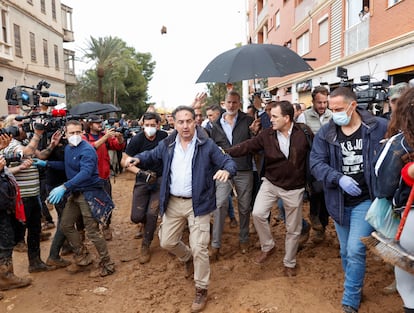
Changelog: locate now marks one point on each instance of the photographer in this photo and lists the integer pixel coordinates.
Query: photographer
(27, 177)
(8, 201)
(102, 142)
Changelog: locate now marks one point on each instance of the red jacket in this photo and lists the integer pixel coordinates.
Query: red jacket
(104, 167)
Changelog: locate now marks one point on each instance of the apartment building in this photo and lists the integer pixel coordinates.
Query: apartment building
(32, 38)
(335, 33)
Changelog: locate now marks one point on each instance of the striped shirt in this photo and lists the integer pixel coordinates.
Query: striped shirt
(27, 179)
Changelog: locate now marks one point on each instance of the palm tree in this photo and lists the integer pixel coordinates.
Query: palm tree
(112, 60)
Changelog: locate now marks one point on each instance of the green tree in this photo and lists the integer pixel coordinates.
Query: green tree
(119, 75)
(217, 92)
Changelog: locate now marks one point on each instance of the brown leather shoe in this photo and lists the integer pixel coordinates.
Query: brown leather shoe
(290, 271)
(263, 256)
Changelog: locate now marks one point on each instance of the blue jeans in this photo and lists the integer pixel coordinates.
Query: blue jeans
(353, 252)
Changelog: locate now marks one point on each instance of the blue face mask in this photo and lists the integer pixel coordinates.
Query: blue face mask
(341, 118)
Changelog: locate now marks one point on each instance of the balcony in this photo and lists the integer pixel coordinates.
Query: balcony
(357, 38)
(68, 36)
(262, 16)
(69, 61)
(6, 52)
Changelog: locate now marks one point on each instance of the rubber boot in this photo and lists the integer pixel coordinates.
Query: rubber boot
(10, 281)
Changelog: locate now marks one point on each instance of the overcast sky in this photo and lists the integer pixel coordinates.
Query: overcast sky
(197, 31)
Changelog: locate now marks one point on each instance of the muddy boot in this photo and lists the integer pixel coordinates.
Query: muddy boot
(145, 254)
(200, 300)
(82, 257)
(36, 265)
(7, 278)
(105, 268)
(58, 263)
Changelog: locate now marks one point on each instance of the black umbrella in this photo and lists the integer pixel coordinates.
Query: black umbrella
(90, 107)
(253, 61)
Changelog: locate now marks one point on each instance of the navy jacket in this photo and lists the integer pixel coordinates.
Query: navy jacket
(81, 166)
(208, 157)
(326, 160)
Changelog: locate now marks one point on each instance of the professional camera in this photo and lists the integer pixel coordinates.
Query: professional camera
(29, 97)
(49, 122)
(13, 158)
(370, 95)
(11, 131)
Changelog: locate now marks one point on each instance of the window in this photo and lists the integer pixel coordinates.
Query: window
(32, 47)
(56, 50)
(45, 53)
(323, 31)
(17, 41)
(303, 44)
(4, 37)
(43, 6)
(277, 19)
(392, 2)
(54, 10)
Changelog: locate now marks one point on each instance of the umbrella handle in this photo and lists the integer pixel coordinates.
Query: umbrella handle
(405, 213)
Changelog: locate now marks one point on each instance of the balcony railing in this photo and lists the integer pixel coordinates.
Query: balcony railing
(357, 38)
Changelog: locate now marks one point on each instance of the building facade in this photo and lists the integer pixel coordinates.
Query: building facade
(336, 34)
(32, 48)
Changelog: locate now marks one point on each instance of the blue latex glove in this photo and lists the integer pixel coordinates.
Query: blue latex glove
(56, 194)
(39, 163)
(349, 185)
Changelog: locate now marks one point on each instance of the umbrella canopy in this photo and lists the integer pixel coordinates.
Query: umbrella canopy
(253, 61)
(90, 107)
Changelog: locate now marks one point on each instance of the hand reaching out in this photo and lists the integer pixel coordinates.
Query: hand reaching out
(199, 100)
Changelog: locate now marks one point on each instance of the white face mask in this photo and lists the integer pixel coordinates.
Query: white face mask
(75, 140)
(150, 131)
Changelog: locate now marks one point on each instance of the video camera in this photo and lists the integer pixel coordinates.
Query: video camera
(49, 122)
(29, 97)
(127, 132)
(370, 95)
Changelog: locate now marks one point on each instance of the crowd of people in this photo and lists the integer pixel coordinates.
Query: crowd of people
(192, 164)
